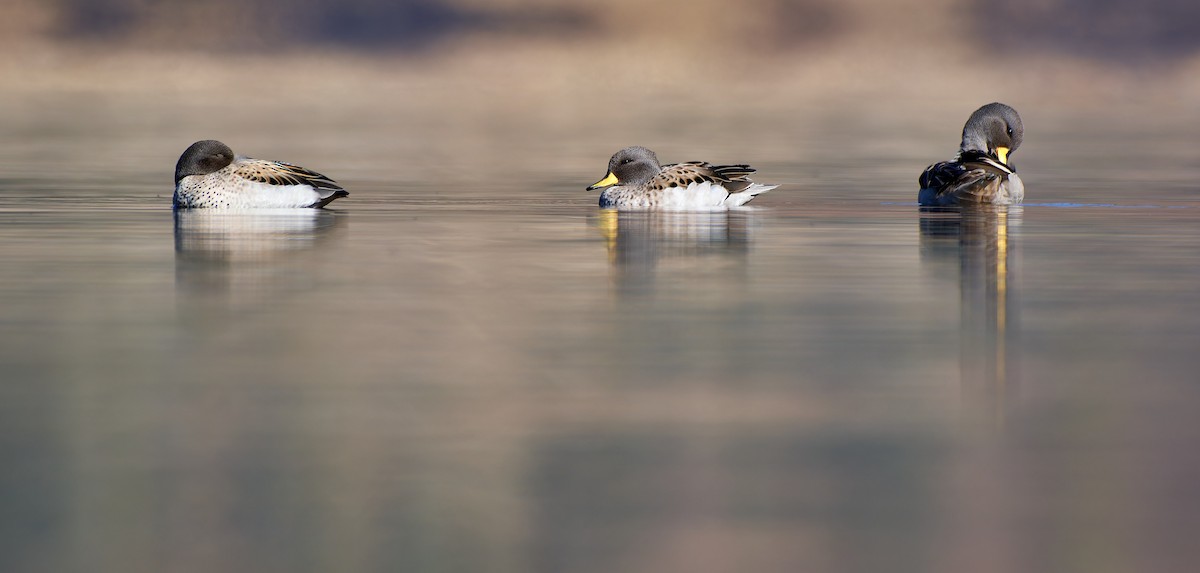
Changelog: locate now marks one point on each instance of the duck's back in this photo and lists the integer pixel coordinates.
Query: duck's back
(969, 181)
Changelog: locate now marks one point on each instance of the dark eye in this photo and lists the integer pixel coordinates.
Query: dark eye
(626, 161)
(1010, 131)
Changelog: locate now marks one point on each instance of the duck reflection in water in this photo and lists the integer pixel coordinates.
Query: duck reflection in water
(983, 242)
(248, 255)
(641, 244)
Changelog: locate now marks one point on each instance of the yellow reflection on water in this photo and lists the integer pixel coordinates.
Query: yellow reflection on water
(980, 242)
(1001, 311)
(640, 244)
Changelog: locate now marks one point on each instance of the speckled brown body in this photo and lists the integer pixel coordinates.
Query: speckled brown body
(637, 181)
(208, 175)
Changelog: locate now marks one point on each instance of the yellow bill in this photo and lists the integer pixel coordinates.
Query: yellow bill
(610, 180)
(1002, 153)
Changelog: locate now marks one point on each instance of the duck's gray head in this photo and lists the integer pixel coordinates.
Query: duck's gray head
(630, 166)
(994, 129)
(202, 158)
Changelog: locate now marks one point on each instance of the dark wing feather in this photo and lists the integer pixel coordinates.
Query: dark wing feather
(732, 177)
(976, 186)
(941, 174)
(961, 182)
(279, 173)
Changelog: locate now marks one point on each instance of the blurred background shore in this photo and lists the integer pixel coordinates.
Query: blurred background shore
(771, 53)
(911, 46)
(441, 80)
(570, 55)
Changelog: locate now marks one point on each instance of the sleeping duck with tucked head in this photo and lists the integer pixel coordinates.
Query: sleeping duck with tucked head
(209, 176)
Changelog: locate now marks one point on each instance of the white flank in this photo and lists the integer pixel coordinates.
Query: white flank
(706, 196)
(266, 196)
(216, 192)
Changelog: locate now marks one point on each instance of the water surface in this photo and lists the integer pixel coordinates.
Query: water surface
(453, 371)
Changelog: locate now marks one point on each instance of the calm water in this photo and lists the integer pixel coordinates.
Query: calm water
(453, 372)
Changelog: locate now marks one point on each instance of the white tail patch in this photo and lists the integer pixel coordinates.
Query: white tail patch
(739, 199)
